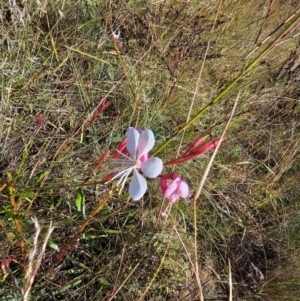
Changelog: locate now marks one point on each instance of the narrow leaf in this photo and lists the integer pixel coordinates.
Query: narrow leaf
(80, 201)
(88, 55)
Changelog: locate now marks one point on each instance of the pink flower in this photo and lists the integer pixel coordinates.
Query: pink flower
(138, 145)
(173, 187)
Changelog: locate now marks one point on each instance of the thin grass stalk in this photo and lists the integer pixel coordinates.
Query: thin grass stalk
(32, 268)
(52, 39)
(123, 283)
(269, 36)
(252, 64)
(187, 253)
(195, 268)
(200, 186)
(158, 269)
(229, 281)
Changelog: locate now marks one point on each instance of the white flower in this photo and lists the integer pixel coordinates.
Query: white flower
(138, 145)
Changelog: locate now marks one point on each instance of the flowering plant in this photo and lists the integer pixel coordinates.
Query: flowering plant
(133, 157)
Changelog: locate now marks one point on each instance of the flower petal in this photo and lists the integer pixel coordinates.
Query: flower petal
(152, 167)
(165, 180)
(184, 189)
(146, 143)
(132, 141)
(171, 190)
(174, 198)
(137, 186)
(163, 183)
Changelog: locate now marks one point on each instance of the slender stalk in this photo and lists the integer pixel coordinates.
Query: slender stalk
(201, 184)
(229, 281)
(158, 269)
(123, 283)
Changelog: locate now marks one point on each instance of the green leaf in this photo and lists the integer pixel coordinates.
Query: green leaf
(41, 176)
(9, 176)
(11, 235)
(104, 282)
(5, 276)
(53, 246)
(80, 201)
(87, 55)
(110, 71)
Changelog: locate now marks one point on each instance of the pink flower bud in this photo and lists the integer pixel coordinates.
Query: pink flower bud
(196, 149)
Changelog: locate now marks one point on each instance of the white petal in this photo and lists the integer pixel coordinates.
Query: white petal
(132, 141)
(152, 167)
(146, 142)
(137, 186)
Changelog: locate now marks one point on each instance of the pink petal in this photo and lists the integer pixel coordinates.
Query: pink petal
(144, 158)
(174, 198)
(165, 179)
(163, 184)
(171, 190)
(184, 189)
(145, 143)
(132, 141)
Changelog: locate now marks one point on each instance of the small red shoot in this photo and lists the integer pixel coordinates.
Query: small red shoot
(104, 104)
(121, 149)
(38, 122)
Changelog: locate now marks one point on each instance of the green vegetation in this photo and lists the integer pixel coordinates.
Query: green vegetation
(178, 68)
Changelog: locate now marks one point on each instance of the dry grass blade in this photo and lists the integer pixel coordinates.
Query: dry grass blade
(229, 281)
(33, 266)
(199, 189)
